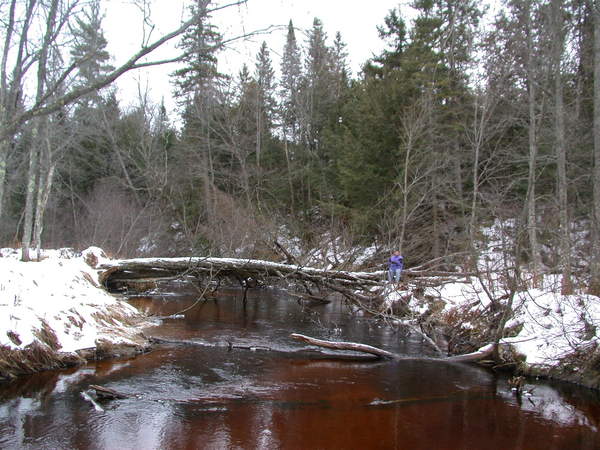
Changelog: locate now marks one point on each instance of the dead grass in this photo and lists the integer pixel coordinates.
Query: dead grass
(33, 358)
(46, 335)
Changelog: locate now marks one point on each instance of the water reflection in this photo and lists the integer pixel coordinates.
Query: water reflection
(211, 396)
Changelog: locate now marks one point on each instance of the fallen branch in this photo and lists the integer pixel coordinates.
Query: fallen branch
(345, 346)
(378, 353)
(480, 354)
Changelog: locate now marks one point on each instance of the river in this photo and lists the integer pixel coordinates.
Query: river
(265, 395)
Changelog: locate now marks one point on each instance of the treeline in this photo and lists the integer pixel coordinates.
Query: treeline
(469, 115)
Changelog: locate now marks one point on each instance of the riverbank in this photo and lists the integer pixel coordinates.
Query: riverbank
(54, 314)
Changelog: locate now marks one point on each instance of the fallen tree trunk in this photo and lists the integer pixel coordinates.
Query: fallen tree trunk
(479, 355)
(128, 269)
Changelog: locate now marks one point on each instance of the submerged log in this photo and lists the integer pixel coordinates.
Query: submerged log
(374, 353)
(95, 404)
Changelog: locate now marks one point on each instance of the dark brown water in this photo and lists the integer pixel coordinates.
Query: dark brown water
(209, 397)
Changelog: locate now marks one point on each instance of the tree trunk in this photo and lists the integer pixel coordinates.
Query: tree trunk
(40, 128)
(11, 85)
(289, 174)
(46, 180)
(479, 116)
(3, 161)
(29, 199)
(531, 200)
(561, 150)
(595, 266)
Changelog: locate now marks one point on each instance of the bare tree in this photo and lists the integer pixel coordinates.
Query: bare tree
(413, 175)
(12, 80)
(55, 92)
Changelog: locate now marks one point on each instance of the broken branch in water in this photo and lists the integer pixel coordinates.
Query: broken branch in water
(96, 406)
(107, 393)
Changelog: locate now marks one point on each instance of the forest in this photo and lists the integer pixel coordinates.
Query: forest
(475, 112)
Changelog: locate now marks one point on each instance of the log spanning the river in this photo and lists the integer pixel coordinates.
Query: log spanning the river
(155, 268)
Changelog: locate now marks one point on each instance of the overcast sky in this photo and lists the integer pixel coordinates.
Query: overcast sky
(355, 19)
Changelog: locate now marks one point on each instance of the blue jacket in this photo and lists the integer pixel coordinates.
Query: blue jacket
(396, 262)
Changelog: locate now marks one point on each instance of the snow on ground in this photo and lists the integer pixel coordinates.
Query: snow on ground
(62, 292)
(554, 325)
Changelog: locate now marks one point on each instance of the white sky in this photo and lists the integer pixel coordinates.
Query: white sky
(355, 19)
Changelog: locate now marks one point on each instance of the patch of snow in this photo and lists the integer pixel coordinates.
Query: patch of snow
(62, 292)
(555, 325)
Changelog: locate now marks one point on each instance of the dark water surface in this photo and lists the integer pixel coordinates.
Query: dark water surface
(208, 396)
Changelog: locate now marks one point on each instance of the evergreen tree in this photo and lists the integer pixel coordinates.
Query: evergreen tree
(291, 72)
(200, 44)
(393, 32)
(265, 104)
(89, 47)
(316, 94)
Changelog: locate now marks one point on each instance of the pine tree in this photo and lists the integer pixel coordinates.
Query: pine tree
(291, 72)
(200, 44)
(316, 94)
(89, 48)
(265, 104)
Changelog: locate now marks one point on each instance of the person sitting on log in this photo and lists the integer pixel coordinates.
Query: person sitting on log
(396, 263)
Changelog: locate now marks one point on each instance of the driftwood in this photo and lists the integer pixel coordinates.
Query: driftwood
(479, 355)
(107, 393)
(345, 346)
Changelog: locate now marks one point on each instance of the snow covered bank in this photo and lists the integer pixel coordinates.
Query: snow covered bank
(545, 332)
(549, 326)
(53, 313)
